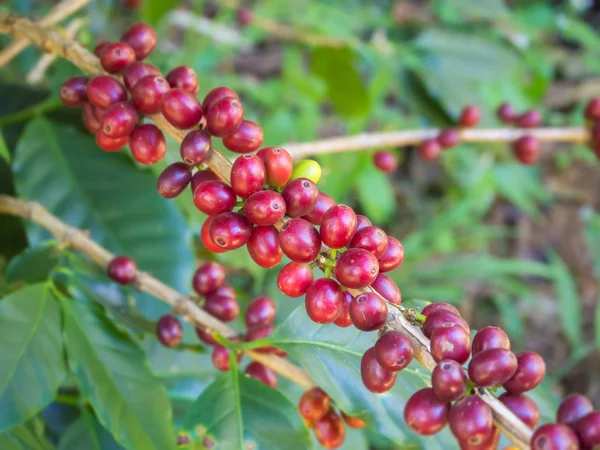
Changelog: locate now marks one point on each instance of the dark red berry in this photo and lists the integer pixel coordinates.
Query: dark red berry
(344, 320)
(261, 373)
(225, 291)
(137, 70)
(506, 113)
(554, 436)
(205, 335)
(260, 312)
(230, 230)
(246, 139)
(169, 331)
(353, 422)
(529, 119)
(220, 358)
(572, 408)
(531, 370)
(356, 268)
(119, 120)
(433, 307)
(338, 226)
(425, 414)
(588, 430)
(300, 197)
(244, 16)
(264, 208)
(442, 318)
(173, 180)
(214, 197)
(314, 404)
(224, 116)
(147, 144)
(200, 177)
(73, 91)
(451, 342)
(592, 109)
(393, 256)
(324, 202)
(372, 239)
(103, 91)
(98, 48)
(522, 407)
(448, 380)
(263, 247)
(261, 331)
(323, 300)
(247, 175)
(492, 367)
(109, 144)
(148, 93)
(135, 4)
(208, 278)
(224, 308)
(430, 149)
(279, 165)
(469, 116)
(361, 221)
(448, 138)
(527, 149)
(183, 77)
(195, 147)
(393, 351)
(299, 240)
(490, 337)
(368, 311)
(294, 279)
(181, 109)
(142, 38)
(374, 376)
(471, 420)
(122, 270)
(115, 56)
(217, 94)
(206, 239)
(385, 287)
(385, 161)
(92, 117)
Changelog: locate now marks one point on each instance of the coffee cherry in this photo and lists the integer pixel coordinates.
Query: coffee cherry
(103, 91)
(122, 270)
(206, 239)
(588, 430)
(119, 120)
(173, 180)
(522, 407)
(425, 414)
(492, 367)
(451, 342)
(299, 240)
(169, 331)
(356, 268)
(261, 331)
(224, 116)
(592, 109)
(181, 109)
(393, 351)
(110, 144)
(147, 144)
(338, 226)
(300, 197)
(323, 300)
(362, 222)
(244, 16)
(208, 278)
(448, 380)
(294, 279)
(214, 197)
(434, 307)
(195, 147)
(469, 116)
(261, 373)
(595, 133)
(531, 370)
(247, 175)
(309, 169)
(217, 94)
(92, 117)
(279, 165)
(147, 94)
(368, 311)
(260, 312)
(185, 78)
(344, 320)
(264, 208)
(220, 358)
(471, 420)
(229, 230)
(527, 149)
(490, 337)
(142, 38)
(430, 149)
(448, 138)
(385, 287)
(506, 113)
(224, 291)
(115, 56)
(324, 202)
(314, 404)
(374, 376)
(372, 239)
(572, 408)
(385, 161)
(490, 443)
(205, 335)
(98, 48)
(554, 436)
(442, 318)
(246, 139)
(73, 91)
(263, 247)
(200, 177)
(223, 307)
(393, 255)
(137, 70)
(529, 119)
(330, 430)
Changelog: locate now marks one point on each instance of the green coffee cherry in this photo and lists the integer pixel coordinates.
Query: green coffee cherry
(307, 169)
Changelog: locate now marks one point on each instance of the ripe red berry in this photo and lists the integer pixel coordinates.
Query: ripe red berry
(385, 287)
(299, 240)
(206, 239)
(205, 335)
(324, 202)
(142, 38)
(361, 221)
(338, 226)
(506, 113)
(169, 331)
(448, 138)
(115, 56)
(425, 414)
(469, 116)
(442, 318)
(314, 404)
(374, 376)
(344, 320)
(109, 144)
(393, 255)
(492, 367)
(119, 120)
(490, 337)
(122, 270)
(353, 422)
(592, 109)
(279, 165)
(244, 16)
(451, 342)
(372, 239)
(73, 91)
(224, 116)
(265, 208)
(294, 279)
(530, 372)
(368, 311)
(224, 291)
(223, 307)
(433, 307)
(214, 197)
(529, 119)
(137, 70)
(261, 373)
(195, 147)
(147, 94)
(217, 94)
(471, 420)
(200, 177)
(323, 300)
(92, 117)
(147, 144)
(98, 48)
(263, 247)
(220, 358)
(173, 180)
(527, 149)
(246, 139)
(522, 407)
(183, 77)
(448, 380)
(385, 161)
(247, 175)
(572, 408)
(181, 109)
(103, 91)
(260, 312)
(135, 4)
(393, 351)
(208, 278)
(261, 331)
(300, 197)
(230, 230)
(554, 436)
(430, 149)
(588, 430)
(356, 268)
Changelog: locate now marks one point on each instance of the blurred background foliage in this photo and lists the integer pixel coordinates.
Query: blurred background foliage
(511, 246)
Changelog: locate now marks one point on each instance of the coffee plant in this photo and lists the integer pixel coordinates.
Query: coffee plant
(256, 297)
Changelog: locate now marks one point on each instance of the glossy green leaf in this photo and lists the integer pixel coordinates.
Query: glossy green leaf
(87, 434)
(113, 374)
(237, 410)
(31, 353)
(34, 264)
(375, 193)
(154, 10)
(26, 437)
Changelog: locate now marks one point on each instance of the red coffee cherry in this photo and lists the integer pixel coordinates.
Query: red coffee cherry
(137, 70)
(92, 117)
(490, 337)
(169, 331)
(183, 77)
(205, 335)
(425, 414)
(361, 221)
(448, 138)
(173, 180)
(430, 149)
(492, 367)
(181, 109)
(324, 202)
(246, 139)
(261, 373)
(527, 149)
(374, 376)
(220, 358)
(103, 91)
(554, 436)
(98, 48)
(224, 291)
(314, 404)
(119, 120)
(224, 116)
(588, 430)
(372, 239)
(344, 320)
(451, 342)
(147, 94)
(323, 300)
(299, 240)
(592, 109)
(115, 56)
(230, 230)
(214, 197)
(207, 242)
(200, 177)
(294, 279)
(522, 407)
(147, 144)
(217, 94)
(529, 119)
(300, 197)
(330, 430)
(142, 38)
(490, 443)
(434, 307)
(393, 255)
(208, 278)
(368, 312)
(245, 17)
(338, 226)
(393, 351)
(385, 161)
(122, 270)
(110, 144)
(223, 307)
(448, 380)
(73, 91)
(247, 175)
(531, 370)
(506, 113)
(261, 331)
(442, 318)
(572, 408)
(385, 287)
(471, 420)
(279, 165)
(356, 268)
(265, 208)
(263, 247)
(260, 312)
(195, 147)
(469, 116)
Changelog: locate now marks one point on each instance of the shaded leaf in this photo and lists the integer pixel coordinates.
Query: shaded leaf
(375, 192)
(34, 264)
(87, 434)
(25, 437)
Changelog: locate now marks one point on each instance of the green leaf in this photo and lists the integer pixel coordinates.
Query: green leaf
(102, 192)
(154, 10)
(113, 374)
(25, 437)
(34, 264)
(521, 186)
(86, 433)
(235, 408)
(4, 153)
(466, 9)
(375, 192)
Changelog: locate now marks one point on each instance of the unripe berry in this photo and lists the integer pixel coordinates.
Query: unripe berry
(425, 414)
(137, 70)
(314, 404)
(430, 149)
(261, 373)
(173, 180)
(264, 208)
(217, 94)
(147, 144)
(368, 311)
(442, 318)
(109, 144)
(148, 93)
(142, 38)
(195, 147)
(122, 270)
(208, 278)
(522, 407)
(299, 240)
(344, 320)
(73, 91)
(492, 367)
(448, 138)
(471, 420)
(294, 279)
(246, 139)
(451, 342)
(214, 197)
(230, 230)
(330, 430)
(300, 197)
(469, 116)
(490, 337)
(386, 287)
(338, 226)
(530, 372)
(247, 175)
(506, 113)
(224, 308)
(529, 119)
(307, 169)
(169, 331)
(103, 91)
(323, 300)
(181, 109)
(573, 408)
(263, 247)
(200, 177)
(278, 164)
(372, 239)
(260, 312)
(393, 351)
(385, 161)
(356, 268)
(324, 202)
(119, 120)
(527, 149)
(393, 255)
(433, 307)
(448, 380)
(115, 56)
(224, 117)
(374, 376)
(183, 77)
(554, 436)
(207, 242)
(588, 430)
